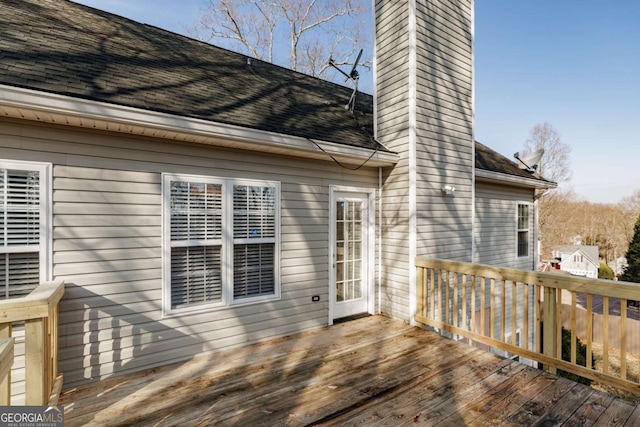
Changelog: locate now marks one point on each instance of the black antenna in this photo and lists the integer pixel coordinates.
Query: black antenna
(353, 75)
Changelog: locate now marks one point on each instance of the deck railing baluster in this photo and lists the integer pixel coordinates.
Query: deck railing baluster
(558, 323)
(623, 339)
(605, 334)
(535, 311)
(573, 327)
(525, 316)
(589, 331)
(464, 302)
(473, 304)
(514, 312)
(454, 299)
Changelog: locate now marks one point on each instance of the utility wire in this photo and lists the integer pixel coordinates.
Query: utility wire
(338, 162)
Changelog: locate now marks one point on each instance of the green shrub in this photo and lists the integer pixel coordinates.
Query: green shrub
(605, 272)
(581, 357)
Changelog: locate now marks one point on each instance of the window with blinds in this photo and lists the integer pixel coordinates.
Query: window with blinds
(254, 230)
(523, 230)
(221, 241)
(22, 225)
(196, 242)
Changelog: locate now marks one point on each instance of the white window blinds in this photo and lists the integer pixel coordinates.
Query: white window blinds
(254, 228)
(20, 228)
(196, 245)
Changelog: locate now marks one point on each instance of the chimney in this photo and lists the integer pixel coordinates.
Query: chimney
(424, 112)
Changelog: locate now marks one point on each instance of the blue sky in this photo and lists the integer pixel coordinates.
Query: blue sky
(574, 64)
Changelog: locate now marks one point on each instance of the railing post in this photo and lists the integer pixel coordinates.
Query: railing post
(5, 384)
(550, 327)
(35, 361)
(6, 362)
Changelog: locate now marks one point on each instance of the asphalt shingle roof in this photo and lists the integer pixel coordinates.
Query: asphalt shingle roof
(66, 48)
(487, 159)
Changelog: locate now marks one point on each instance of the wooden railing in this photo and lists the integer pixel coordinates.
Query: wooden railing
(520, 313)
(39, 312)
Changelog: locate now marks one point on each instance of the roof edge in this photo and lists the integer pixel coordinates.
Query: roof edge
(48, 107)
(490, 176)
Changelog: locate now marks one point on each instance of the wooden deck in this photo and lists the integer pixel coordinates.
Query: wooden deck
(371, 371)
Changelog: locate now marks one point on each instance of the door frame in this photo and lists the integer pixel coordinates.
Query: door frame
(370, 194)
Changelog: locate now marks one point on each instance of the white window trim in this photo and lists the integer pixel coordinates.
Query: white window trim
(46, 210)
(227, 244)
(528, 229)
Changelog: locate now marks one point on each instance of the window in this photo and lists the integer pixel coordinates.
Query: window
(254, 233)
(523, 230)
(577, 258)
(221, 241)
(24, 223)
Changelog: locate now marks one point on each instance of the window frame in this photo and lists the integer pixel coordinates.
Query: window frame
(523, 230)
(228, 242)
(45, 245)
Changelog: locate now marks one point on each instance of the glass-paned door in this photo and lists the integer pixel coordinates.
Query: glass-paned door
(350, 254)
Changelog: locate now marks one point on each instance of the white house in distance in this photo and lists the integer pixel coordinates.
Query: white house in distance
(579, 260)
(194, 199)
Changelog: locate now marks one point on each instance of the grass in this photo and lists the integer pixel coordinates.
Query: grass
(633, 371)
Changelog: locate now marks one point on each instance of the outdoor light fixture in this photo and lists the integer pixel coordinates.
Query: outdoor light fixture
(448, 189)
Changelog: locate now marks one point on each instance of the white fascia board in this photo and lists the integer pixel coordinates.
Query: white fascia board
(48, 107)
(503, 178)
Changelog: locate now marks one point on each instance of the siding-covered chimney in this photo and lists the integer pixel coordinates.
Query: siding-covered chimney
(424, 111)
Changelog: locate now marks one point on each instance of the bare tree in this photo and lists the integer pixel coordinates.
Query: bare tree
(555, 162)
(630, 208)
(631, 203)
(557, 228)
(309, 31)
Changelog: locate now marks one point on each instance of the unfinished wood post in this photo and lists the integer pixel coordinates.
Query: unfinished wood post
(35, 354)
(5, 383)
(549, 344)
(6, 362)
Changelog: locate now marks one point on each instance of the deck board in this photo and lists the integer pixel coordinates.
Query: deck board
(366, 372)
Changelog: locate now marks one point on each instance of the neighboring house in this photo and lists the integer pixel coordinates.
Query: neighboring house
(194, 199)
(579, 260)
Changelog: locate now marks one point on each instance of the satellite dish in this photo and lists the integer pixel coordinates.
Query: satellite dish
(531, 160)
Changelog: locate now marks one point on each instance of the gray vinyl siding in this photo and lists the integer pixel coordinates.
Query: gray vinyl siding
(107, 246)
(496, 237)
(392, 109)
(495, 231)
(444, 128)
(443, 134)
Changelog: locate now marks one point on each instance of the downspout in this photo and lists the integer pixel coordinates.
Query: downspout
(375, 135)
(379, 296)
(536, 237)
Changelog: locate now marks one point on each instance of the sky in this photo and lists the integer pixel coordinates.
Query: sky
(574, 64)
